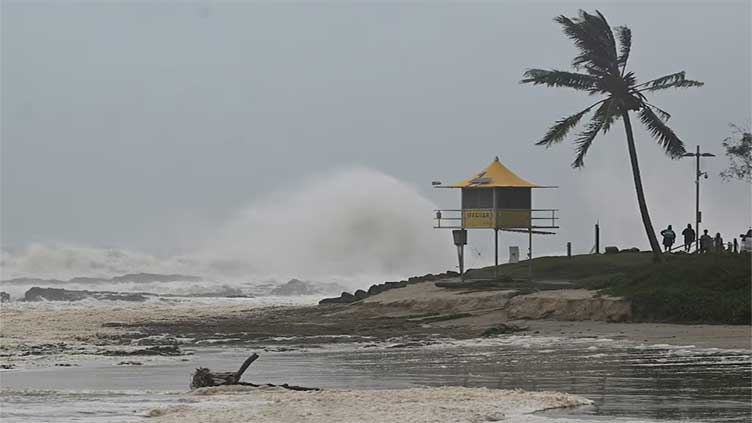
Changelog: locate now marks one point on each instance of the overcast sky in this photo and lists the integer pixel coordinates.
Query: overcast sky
(126, 124)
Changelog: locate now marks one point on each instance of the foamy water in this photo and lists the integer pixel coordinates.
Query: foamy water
(236, 404)
(627, 382)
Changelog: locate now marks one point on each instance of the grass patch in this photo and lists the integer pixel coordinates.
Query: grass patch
(683, 288)
(710, 289)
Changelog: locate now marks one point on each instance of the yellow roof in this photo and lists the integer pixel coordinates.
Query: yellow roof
(494, 175)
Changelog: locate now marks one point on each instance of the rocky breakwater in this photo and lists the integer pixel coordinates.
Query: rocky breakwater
(59, 294)
(347, 298)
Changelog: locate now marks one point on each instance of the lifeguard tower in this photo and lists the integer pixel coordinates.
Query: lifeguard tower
(496, 198)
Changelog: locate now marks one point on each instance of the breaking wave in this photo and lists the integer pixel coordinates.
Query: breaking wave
(352, 226)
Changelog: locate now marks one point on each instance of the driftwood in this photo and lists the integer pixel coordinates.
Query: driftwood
(204, 377)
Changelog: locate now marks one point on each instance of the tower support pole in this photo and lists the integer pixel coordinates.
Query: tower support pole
(496, 253)
(530, 252)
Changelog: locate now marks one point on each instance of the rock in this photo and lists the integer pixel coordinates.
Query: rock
(611, 250)
(6, 366)
(376, 289)
(58, 294)
(451, 273)
(295, 287)
(130, 363)
(502, 329)
(360, 294)
(4, 297)
(345, 298)
(54, 294)
(630, 250)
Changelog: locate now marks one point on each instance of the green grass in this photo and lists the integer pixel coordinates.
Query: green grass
(683, 288)
(710, 289)
(565, 268)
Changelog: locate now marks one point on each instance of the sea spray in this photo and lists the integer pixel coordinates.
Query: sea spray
(354, 226)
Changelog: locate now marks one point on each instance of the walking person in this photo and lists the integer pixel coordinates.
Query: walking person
(668, 238)
(706, 242)
(689, 237)
(718, 243)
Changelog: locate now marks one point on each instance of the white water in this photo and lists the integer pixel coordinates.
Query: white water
(353, 226)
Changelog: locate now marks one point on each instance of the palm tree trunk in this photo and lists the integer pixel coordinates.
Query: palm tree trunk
(638, 187)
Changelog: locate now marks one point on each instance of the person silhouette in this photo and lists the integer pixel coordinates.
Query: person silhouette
(668, 238)
(689, 237)
(706, 242)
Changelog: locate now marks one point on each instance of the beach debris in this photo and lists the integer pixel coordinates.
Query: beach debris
(130, 363)
(203, 378)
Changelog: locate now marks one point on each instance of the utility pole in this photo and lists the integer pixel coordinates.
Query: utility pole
(698, 174)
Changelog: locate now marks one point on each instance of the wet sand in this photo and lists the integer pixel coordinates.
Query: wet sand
(42, 330)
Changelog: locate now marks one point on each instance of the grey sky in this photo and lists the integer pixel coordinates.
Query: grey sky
(127, 124)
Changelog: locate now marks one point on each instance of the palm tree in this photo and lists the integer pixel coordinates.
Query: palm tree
(601, 70)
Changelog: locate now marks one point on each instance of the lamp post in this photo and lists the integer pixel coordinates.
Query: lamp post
(698, 174)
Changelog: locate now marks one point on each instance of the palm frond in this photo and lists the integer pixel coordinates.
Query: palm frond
(625, 45)
(601, 23)
(609, 114)
(557, 78)
(664, 115)
(601, 118)
(590, 38)
(561, 128)
(666, 137)
(674, 80)
(629, 79)
(686, 83)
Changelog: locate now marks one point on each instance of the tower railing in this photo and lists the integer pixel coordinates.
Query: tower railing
(489, 218)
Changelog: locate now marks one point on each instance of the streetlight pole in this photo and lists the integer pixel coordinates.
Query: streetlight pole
(698, 174)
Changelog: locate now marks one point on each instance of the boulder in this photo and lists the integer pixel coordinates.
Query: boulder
(376, 289)
(58, 294)
(360, 294)
(4, 297)
(611, 250)
(345, 298)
